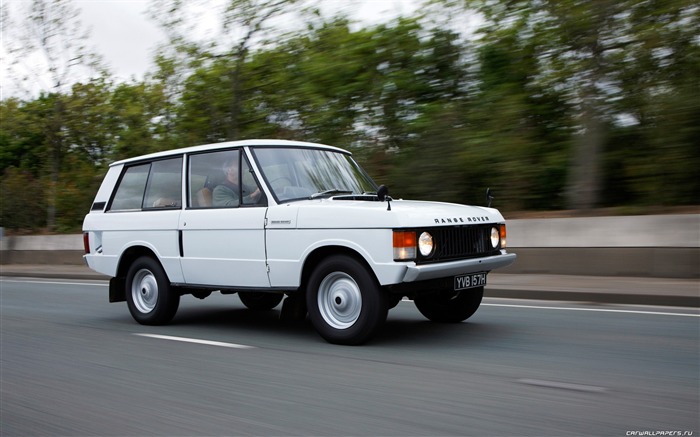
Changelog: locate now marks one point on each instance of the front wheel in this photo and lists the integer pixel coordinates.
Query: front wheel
(449, 306)
(149, 296)
(346, 305)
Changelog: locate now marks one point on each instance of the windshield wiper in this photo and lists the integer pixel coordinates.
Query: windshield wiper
(331, 192)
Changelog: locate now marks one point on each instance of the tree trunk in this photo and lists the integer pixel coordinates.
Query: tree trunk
(584, 185)
(55, 141)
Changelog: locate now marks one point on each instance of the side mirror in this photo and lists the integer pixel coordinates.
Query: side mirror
(382, 192)
(489, 197)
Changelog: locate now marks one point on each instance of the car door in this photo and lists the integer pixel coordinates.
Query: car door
(222, 229)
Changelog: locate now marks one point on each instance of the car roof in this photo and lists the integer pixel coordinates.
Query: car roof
(228, 145)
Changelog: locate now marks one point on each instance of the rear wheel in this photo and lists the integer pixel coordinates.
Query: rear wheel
(259, 301)
(149, 296)
(449, 306)
(345, 303)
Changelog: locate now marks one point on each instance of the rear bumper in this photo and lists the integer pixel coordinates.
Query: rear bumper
(107, 265)
(452, 268)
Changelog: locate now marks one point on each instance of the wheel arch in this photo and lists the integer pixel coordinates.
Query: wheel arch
(320, 253)
(117, 285)
(132, 254)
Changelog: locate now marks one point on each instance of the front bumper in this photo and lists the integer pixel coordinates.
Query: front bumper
(452, 268)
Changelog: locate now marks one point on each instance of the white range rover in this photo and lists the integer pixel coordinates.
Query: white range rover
(268, 219)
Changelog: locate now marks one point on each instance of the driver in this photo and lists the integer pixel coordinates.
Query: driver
(227, 193)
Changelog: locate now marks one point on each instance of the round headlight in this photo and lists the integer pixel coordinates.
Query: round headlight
(425, 244)
(495, 237)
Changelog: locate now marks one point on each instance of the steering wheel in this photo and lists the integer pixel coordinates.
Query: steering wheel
(273, 183)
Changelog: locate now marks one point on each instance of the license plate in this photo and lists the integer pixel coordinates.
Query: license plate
(472, 280)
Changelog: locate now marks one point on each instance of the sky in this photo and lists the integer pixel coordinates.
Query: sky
(126, 38)
(122, 33)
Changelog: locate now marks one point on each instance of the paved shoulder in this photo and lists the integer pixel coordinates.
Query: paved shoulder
(603, 289)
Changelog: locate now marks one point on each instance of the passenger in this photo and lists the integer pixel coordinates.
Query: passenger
(227, 193)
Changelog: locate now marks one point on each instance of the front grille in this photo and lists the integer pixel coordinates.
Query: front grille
(460, 242)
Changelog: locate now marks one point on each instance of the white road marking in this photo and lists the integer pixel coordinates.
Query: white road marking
(599, 310)
(24, 281)
(197, 341)
(563, 385)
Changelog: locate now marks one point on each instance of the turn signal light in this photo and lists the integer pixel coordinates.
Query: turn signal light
(404, 245)
(503, 236)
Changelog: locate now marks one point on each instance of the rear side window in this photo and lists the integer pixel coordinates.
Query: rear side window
(164, 188)
(130, 191)
(154, 185)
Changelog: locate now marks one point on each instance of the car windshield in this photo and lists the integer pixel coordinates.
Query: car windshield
(302, 173)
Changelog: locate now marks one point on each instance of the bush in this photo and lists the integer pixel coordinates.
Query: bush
(22, 200)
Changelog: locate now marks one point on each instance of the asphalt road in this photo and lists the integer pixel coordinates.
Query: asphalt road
(73, 364)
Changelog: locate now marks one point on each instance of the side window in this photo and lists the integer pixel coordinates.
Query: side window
(131, 187)
(164, 188)
(207, 171)
(148, 186)
(216, 179)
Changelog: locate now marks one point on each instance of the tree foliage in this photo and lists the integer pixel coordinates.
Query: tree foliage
(53, 34)
(556, 104)
(612, 61)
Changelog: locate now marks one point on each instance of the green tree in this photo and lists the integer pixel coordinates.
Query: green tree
(242, 23)
(51, 30)
(607, 57)
(87, 123)
(22, 200)
(21, 136)
(142, 119)
(524, 126)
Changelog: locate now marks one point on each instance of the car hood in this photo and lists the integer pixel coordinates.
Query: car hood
(341, 213)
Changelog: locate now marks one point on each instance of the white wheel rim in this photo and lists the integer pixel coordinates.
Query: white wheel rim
(144, 291)
(339, 300)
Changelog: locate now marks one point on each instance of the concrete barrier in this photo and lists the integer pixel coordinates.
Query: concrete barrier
(679, 230)
(664, 246)
(42, 249)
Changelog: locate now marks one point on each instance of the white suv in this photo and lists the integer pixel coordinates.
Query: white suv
(269, 218)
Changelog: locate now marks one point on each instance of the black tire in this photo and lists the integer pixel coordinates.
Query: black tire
(345, 303)
(260, 301)
(449, 306)
(149, 296)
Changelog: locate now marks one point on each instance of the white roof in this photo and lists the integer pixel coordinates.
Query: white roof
(228, 145)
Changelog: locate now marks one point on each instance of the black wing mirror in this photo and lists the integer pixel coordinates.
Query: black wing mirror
(383, 194)
(489, 197)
